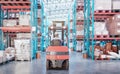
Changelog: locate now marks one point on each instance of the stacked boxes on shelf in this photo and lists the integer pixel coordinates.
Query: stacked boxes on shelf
(24, 20)
(23, 51)
(80, 15)
(80, 46)
(113, 25)
(115, 4)
(80, 2)
(107, 5)
(100, 28)
(23, 35)
(8, 23)
(103, 4)
(80, 30)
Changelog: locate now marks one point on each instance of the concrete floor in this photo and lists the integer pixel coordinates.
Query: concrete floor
(78, 65)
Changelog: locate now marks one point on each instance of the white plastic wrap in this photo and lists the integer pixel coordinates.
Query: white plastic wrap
(22, 47)
(103, 4)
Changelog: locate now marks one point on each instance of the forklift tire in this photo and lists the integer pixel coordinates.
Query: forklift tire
(48, 65)
(65, 65)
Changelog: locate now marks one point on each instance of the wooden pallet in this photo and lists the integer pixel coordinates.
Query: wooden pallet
(103, 11)
(114, 36)
(116, 10)
(22, 60)
(101, 36)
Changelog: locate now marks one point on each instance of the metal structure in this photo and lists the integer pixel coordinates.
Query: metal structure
(52, 10)
(89, 27)
(34, 23)
(74, 26)
(42, 26)
(1, 33)
(68, 40)
(20, 7)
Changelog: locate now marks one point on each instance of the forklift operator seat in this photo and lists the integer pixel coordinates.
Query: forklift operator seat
(56, 42)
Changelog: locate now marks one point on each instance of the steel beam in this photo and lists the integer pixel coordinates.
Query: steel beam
(1, 33)
(34, 39)
(89, 22)
(74, 26)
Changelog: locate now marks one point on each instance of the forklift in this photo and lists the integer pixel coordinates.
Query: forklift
(57, 56)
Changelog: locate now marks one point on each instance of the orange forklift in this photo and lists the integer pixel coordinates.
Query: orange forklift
(57, 56)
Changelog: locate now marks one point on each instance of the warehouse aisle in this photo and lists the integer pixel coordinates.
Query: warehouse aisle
(77, 66)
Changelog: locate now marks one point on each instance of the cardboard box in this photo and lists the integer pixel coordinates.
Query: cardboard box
(100, 28)
(80, 2)
(23, 35)
(22, 47)
(24, 20)
(116, 18)
(114, 31)
(116, 4)
(114, 48)
(85, 56)
(79, 27)
(80, 15)
(108, 46)
(113, 25)
(80, 33)
(103, 4)
(9, 23)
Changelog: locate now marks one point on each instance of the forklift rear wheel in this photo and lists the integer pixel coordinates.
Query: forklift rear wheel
(65, 65)
(48, 64)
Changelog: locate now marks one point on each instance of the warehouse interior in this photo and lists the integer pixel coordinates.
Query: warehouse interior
(59, 36)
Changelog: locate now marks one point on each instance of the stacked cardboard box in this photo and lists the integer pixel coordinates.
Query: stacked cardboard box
(113, 25)
(115, 4)
(24, 20)
(9, 23)
(103, 4)
(12, 41)
(23, 35)
(22, 47)
(80, 45)
(80, 30)
(100, 28)
(80, 15)
(80, 2)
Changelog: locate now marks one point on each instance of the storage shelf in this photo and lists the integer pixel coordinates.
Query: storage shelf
(107, 38)
(81, 37)
(16, 29)
(106, 13)
(14, 1)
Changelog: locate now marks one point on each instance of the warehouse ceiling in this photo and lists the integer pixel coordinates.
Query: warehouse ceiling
(58, 8)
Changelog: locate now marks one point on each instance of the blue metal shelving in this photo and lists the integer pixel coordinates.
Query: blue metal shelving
(74, 26)
(1, 33)
(89, 27)
(68, 40)
(34, 20)
(42, 26)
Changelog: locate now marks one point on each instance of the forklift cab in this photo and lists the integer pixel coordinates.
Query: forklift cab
(58, 32)
(57, 54)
